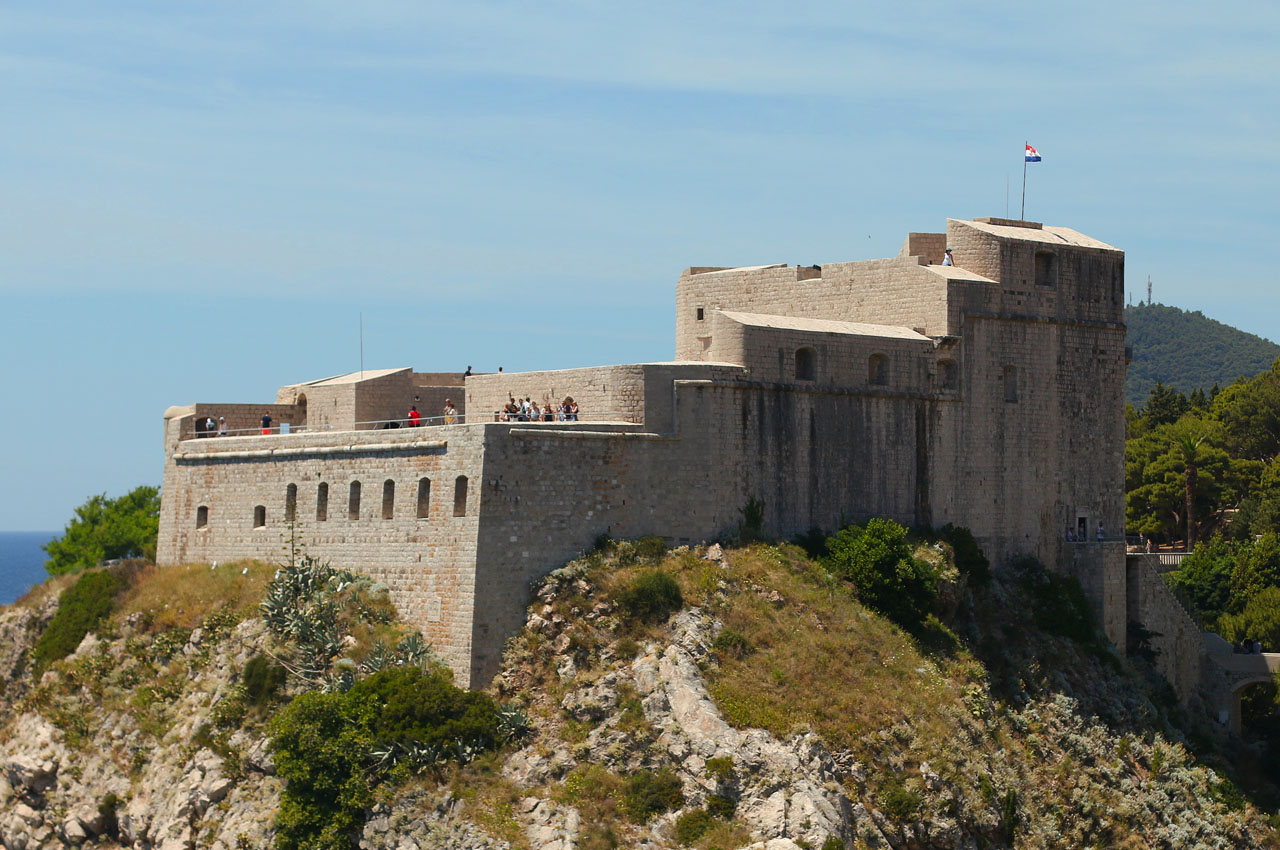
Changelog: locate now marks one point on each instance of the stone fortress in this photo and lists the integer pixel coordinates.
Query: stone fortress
(987, 393)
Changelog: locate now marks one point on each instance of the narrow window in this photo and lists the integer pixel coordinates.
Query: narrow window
(202, 516)
(424, 497)
(878, 370)
(950, 374)
(259, 516)
(291, 503)
(353, 501)
(805, 369)
(388, 499)
(1010, 383)
(322, 502)
(701, 314)
(1046, 274)
(460, 496)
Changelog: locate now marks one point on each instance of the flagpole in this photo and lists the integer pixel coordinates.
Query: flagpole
(1023, 215)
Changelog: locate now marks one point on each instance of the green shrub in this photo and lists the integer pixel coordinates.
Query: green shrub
(1009, 816)
(650, 794)
(81, 608)
(878, 561)
(692, 825)
(322, 744)
(651, 597)
(897, 802)
(626, 648)
(332, 748)
(720, 769)
(107, 808)
(263, 678)
(752, 525)
(832, 843)
(721, 806)
(970, 560)
(731, 644)
(1060, 607)
(813, 542)
(414, 707)
(649, 550)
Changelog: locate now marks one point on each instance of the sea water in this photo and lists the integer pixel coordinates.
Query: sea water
(22, 562)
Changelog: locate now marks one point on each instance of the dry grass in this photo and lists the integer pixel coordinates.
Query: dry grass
(819, 660)
(182, 596)
(52, 586)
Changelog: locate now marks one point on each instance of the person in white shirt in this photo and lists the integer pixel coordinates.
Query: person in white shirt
(946, 260)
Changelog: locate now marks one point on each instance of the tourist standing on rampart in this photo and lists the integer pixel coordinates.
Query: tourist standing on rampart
(450, 412)
(222, 426)
(266, 423)
(415, 418)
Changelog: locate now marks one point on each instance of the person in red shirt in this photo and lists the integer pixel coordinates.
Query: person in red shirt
(415, 418)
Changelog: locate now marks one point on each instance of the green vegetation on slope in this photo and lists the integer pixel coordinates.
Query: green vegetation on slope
(1187, 351)
(105, 529)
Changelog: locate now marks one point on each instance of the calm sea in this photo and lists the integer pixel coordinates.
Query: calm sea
(22, 562)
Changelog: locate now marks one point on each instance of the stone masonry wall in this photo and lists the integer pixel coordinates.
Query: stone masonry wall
(1178, 639)
(613, 392)
(428, 562)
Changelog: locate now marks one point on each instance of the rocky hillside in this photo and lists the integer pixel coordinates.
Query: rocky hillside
(707, 698)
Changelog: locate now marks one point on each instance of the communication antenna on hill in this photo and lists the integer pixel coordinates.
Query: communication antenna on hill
(1148, 290)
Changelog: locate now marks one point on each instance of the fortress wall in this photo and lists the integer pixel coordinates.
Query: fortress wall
(1179, 641)
(930, 246)
(840, 359)
(613, 391)
(896, 292)
(384, 397)
(239, 416)
(427, 563)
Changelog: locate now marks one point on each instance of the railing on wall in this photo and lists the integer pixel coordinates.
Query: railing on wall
(287, 429)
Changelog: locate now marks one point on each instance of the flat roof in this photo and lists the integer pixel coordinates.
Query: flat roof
(957, 273)
(352, 377)
(1045, 233)
(826, 326)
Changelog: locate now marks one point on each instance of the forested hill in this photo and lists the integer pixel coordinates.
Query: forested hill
(1186, 350)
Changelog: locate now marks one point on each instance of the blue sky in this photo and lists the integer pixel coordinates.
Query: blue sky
(199, 200)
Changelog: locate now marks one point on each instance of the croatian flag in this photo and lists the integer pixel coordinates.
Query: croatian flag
(1032, 154)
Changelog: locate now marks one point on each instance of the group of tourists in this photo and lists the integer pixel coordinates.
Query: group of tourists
(208, 428)
(1082, 536)
(1247, 647)
(448, 416)
(528, 410)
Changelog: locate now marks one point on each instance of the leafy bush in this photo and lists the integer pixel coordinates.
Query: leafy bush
(897, 802)
(731, 644)
(970, 560)
(752, 525)
(104, 529)
(720, 769)
(262, 680)
(692, 825)
(832, 843)
(322, 744)
(650, 794)
(878, 561)
(107, 808)
(813, 542)
(80, 609)
(721, 805)
(651, 597)
(1060, 607)
(414, 707)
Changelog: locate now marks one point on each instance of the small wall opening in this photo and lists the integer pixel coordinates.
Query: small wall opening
(322, 502)
(1046, 271)
(702, 314)
(300, 412)
(388, 499)
(259, 516)
(424, 497)
(806, 365)
(1010, 383)
(353, 501)
(949, 374)
(878, 370)
(460, 496)
(202, 516)
(291, 503)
